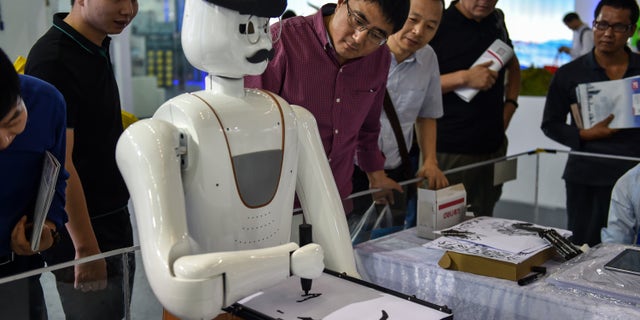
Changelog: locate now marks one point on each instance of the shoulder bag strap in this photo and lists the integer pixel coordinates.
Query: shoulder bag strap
(390, 111)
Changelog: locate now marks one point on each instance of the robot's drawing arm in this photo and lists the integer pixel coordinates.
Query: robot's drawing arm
(148, 156)
(319, 197)
(248, 271)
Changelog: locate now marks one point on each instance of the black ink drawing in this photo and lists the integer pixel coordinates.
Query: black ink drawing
(385, 316)
(309, 296)
(462, 234)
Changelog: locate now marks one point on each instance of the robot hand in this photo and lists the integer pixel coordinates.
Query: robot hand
(307, 262)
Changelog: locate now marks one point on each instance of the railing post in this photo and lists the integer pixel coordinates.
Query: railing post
(536, 209)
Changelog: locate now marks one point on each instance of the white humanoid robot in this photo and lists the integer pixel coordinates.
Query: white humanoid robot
(213, 174)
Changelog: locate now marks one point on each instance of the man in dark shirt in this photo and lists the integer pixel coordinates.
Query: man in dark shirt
(471, 132)
(590, 180)
(74, 56)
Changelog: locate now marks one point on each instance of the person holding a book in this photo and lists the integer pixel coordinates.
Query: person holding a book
(32, 123)
(413, 86)
(590, 180)
(474, 131)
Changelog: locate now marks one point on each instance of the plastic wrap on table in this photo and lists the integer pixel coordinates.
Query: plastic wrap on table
(586, 275)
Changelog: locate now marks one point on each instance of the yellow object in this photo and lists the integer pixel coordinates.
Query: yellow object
(493, 267)
(128, 119)
(19, 64)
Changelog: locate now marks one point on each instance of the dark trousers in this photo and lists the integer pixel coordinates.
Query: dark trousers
(482, 194)
(113, 231)
(23, 298)
(587, 211)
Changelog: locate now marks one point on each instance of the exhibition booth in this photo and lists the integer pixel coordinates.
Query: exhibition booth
(394, 262)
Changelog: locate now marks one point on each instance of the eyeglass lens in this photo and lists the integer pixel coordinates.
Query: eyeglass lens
(360, 24)
(617, 27)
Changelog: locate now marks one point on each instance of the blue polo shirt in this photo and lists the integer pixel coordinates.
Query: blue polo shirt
(21, 162)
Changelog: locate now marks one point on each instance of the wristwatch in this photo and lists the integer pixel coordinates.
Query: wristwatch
(513, 102)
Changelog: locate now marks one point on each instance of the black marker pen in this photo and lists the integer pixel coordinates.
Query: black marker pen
(305, 238)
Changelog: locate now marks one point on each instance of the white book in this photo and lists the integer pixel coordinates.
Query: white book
(620, 97)
(498, 52)
(50, 171)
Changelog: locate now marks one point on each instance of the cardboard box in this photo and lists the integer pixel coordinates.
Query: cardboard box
(493, 268)
(440, 209)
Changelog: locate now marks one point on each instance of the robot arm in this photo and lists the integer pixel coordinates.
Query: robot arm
(148, 156)
(249, 271)
(320, 199)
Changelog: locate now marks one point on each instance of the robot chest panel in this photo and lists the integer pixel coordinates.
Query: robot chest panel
(230, 225)
(258, 156)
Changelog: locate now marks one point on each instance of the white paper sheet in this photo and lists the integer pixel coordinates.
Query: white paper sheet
(494, 238)
(336, 299)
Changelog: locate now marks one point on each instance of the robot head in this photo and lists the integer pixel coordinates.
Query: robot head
(229, 38)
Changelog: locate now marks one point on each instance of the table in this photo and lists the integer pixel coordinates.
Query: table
(399, 262)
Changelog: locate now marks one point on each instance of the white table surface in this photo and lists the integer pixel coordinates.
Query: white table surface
(400, 263)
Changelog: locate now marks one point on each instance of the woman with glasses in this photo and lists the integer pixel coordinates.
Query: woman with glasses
(590, 180)
(334, 63)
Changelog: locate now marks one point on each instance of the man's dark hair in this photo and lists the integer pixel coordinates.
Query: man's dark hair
(288, 14)
(395, 11)
(9, 85)
(570, 17)
(630, 5)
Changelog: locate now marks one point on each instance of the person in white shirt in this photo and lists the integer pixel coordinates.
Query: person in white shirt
(624, 212)
(582, 36)
(414, 89)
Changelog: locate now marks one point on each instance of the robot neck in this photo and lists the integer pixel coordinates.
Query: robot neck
(228, 86)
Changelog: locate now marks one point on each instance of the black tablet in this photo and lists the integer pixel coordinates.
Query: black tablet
(627, 261)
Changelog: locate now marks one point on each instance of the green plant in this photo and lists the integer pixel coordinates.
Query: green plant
(535, 81)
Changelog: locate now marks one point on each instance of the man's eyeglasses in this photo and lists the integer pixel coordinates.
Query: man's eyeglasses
(358, 23)
(617, 27)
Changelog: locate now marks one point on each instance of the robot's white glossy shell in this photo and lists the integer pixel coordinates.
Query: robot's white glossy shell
(225, 49)
(218, 135)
